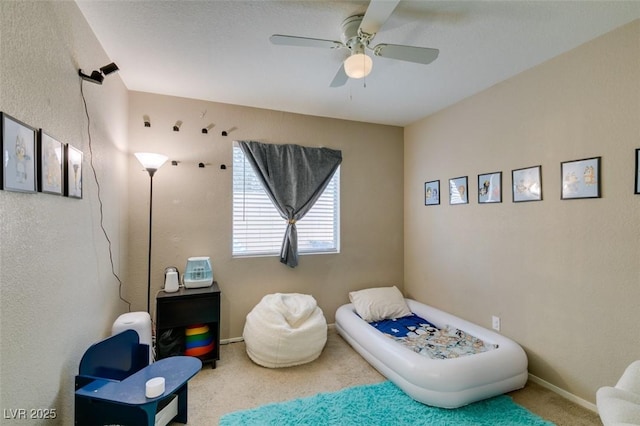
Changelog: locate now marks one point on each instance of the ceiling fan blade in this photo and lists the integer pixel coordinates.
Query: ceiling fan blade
(286, 40)
(377, 14)
(340, 79)
(420, 55)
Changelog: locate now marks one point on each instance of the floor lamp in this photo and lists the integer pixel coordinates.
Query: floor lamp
(151, 162)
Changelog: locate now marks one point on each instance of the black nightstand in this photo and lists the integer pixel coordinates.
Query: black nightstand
(175, 311)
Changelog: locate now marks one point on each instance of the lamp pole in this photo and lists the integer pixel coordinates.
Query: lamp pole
(151, 173)
(151, 162)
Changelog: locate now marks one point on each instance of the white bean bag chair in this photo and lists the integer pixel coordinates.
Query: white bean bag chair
(620, 405)
(284, 330)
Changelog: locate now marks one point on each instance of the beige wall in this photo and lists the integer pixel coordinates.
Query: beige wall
(57, 292)
(192, 206)
(564, 276)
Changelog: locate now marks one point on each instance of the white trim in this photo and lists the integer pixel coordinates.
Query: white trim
(330, 327)
(231, 340)
(567, 395)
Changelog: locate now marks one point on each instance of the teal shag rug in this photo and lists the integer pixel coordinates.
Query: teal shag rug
(382, 404)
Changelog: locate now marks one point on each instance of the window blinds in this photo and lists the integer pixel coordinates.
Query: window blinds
(258, 229)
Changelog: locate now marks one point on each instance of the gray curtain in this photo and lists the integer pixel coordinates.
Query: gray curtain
(293, 177)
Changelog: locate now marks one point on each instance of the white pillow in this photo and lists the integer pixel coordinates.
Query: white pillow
(375, 304)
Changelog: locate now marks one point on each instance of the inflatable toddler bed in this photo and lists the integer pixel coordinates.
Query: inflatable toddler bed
(434, 357)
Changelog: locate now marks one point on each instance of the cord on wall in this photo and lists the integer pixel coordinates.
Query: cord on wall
(95, 176)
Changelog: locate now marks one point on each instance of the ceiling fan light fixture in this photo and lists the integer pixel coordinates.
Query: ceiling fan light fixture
(358, 65)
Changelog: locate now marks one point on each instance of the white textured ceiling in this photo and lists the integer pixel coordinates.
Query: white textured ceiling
(220, 51)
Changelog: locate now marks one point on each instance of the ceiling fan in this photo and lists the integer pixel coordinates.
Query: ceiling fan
(357, 33)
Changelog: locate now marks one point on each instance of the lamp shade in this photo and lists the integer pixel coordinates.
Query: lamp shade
(150, 160)
(358, 65)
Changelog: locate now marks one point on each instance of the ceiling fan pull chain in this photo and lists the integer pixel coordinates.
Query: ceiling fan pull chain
(364, 66)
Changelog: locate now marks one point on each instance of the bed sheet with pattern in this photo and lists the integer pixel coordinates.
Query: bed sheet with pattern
(421, 336)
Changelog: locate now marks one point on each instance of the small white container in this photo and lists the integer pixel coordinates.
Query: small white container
(154, 387)
(171, 282)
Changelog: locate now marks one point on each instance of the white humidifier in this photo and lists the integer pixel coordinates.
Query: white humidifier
(198, 272)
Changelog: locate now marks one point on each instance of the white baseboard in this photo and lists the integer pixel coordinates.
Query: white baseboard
(331, 326)
(231, 340)
(563, 393)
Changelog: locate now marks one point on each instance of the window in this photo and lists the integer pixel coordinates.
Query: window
(258, 228)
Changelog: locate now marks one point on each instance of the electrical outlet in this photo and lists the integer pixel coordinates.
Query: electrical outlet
(495, 323)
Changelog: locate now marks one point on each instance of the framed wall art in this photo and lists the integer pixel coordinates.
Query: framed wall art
(490, 188)
(73, 172)
(18, 155)
(580, 178)
(527, 184)
(432, 193)
(458, 193)
(50, 164)
(637, 175)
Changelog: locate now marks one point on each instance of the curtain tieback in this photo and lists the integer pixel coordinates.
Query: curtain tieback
(292, 221)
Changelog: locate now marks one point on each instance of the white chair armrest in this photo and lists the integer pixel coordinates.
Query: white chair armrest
(630, 379)
(618, 407)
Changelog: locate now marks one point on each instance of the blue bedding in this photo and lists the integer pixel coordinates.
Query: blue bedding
(404, 326)
(422, 337)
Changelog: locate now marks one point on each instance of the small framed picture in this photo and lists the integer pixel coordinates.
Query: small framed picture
(432, 193)
(580, 178)
(50, 164)
(18, 155)
(458, 193)
(73, 172)
(490, 188)
(638, 171)
(527, 184)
